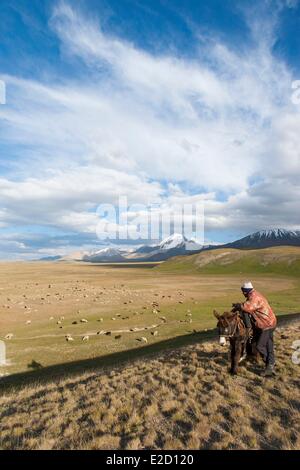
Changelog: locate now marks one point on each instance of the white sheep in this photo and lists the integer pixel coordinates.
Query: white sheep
(9, 336)
(85, 338)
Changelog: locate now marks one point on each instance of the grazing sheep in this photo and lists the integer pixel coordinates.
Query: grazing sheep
(74, 322)
(9, 336)
(58, 322)
(118, 336)
(154, 333)
(100, 332)
(163, 319)
(100, 319)
(83, 320)
(108, 333)
(144, 339)
(51, 318)
(113, 318)
(62, 318)
(28, 322)
(69, 338)
(85, 338)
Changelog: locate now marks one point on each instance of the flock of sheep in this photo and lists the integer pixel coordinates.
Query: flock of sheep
(86, 337)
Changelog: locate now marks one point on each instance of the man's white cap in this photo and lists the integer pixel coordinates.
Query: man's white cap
(247, 285)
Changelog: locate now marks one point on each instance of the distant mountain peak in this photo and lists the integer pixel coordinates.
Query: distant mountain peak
(107, 254)
(276, 233)
(268, 238)
(174, 240)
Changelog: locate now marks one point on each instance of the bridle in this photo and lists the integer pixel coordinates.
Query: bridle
(230, 335)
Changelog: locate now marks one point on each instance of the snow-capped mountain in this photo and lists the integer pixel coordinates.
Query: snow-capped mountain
(173, 245)
(267, 238)
(108, 254)
(177, 240)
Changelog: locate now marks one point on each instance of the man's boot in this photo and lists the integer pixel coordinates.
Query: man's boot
(269, 370)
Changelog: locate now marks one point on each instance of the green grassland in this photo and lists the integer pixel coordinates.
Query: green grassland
(275, 260)
(171, 392)
(120, 300)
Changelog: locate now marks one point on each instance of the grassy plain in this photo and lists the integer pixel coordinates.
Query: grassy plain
(39, 303)
(132, 389)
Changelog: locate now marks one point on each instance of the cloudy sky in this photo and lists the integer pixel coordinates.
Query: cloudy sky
(165, 101)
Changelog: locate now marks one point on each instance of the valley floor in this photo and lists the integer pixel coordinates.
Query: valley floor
(183, 399)
(42, 304)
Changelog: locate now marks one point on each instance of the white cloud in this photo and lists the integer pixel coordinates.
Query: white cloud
(224, 125)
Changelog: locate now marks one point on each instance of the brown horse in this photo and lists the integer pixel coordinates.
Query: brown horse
(232, 327)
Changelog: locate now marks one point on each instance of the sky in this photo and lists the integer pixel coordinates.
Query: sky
(162, 101)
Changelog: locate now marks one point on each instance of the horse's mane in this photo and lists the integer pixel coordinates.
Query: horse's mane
(229, 315)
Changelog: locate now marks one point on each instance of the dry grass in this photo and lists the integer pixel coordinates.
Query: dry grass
(184, 399)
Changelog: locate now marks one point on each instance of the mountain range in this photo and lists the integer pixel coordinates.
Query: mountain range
(178, 245)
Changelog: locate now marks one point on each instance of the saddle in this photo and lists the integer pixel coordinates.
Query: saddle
(247, 320)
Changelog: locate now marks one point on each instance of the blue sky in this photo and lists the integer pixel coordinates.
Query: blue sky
(166, 101)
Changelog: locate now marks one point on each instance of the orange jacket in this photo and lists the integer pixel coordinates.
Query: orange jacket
(258, 306)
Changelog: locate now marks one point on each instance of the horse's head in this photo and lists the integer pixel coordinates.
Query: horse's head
(225, 325)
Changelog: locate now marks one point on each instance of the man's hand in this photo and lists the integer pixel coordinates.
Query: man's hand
(237, 307)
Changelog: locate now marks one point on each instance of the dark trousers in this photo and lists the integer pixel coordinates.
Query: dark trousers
(246, 319)
(265, 345)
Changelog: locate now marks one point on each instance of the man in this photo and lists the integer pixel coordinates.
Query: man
(265, 322)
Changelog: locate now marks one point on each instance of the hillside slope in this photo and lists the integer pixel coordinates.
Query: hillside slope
(283, 260)
(183, 399)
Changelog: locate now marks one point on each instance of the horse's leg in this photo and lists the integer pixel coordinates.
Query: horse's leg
(237, 356)
(255, 353)
(232, 353)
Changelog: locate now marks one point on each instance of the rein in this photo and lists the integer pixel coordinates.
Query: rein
(235, 327)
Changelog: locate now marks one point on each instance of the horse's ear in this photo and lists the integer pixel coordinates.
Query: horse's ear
(216, 314)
